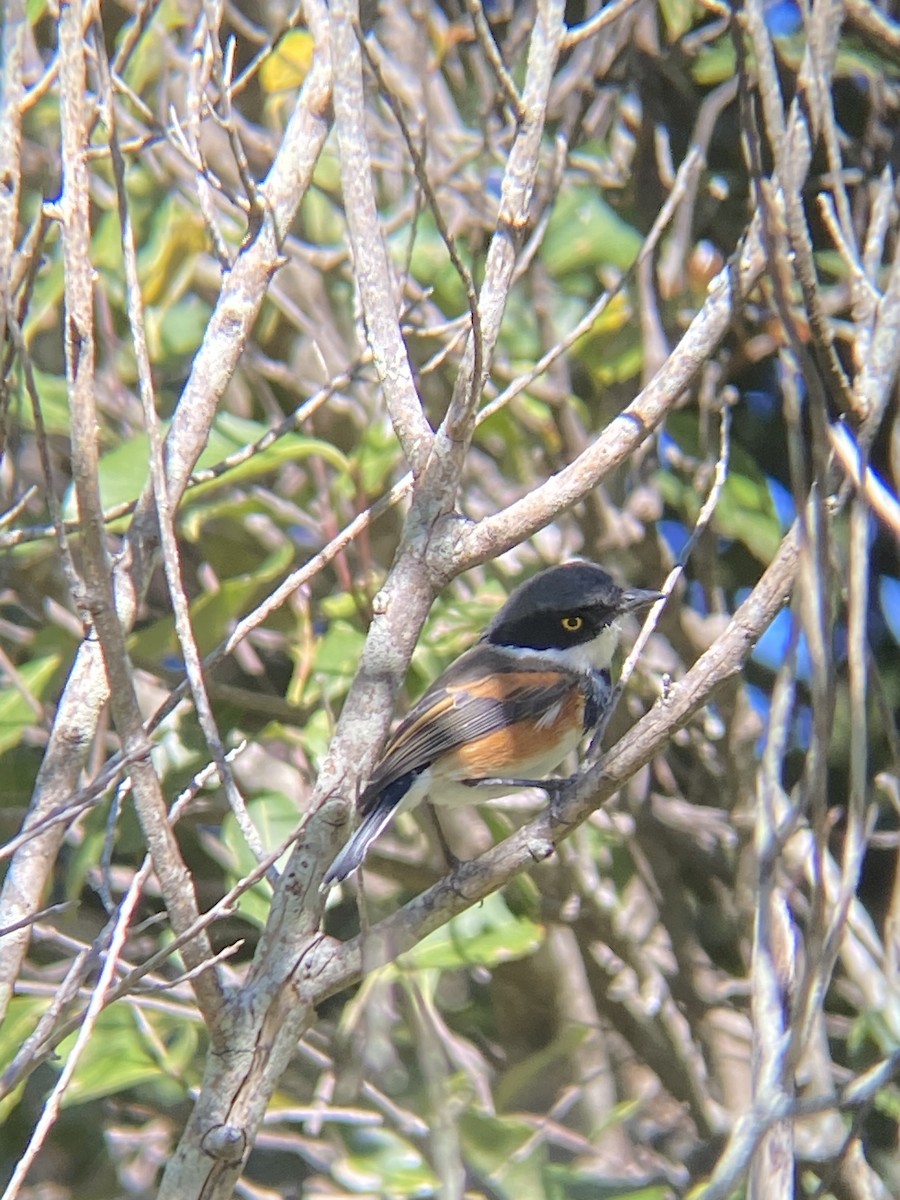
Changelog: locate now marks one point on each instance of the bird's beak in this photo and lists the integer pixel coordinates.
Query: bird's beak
(634, 599)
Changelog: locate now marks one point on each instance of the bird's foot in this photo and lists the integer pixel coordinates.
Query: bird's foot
(555, 788)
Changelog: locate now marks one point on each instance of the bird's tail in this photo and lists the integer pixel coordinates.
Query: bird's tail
(353, 853)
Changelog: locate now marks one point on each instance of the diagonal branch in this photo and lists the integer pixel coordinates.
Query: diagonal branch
(472, 544)
(328, 970)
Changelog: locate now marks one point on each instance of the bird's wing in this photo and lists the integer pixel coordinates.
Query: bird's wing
(466, 703)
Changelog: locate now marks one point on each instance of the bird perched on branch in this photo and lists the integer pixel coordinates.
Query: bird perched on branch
(508, 711)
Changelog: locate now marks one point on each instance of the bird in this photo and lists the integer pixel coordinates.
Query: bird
(510, 709)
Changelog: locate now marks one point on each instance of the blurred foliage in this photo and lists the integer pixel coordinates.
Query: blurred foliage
(587, 1033)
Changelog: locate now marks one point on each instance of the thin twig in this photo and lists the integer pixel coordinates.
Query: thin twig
(419, 166)
(235, 311)
(494, 58)
(73, 579)
(474, 880)
(171, 557)
(51, 1108)
(773, 966)
(707, 511)
(879, 497)
(598, 22)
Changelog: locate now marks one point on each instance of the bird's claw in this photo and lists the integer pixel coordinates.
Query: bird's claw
(554, 788)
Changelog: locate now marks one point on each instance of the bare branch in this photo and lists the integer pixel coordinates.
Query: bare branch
(626, 432)
(13, 48)
(51, 1108)
(236, 310)
(328, 971)
(372, 268)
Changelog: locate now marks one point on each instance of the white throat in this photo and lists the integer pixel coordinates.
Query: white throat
(595, 655)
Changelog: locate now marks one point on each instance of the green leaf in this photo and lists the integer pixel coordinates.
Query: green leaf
(745, 511)
(275, 817)
(16, 714)
(430, 262)
(887, 1101)
(177, 329)
(385, 1163)
(289, 63)
(576, 1183)
(678, 16)
(47, 300)
(612, 360)
(228, 511)
(613, 348)
(120, 1055)
(53, 395)
(586, 233)
(322, 221)
(715, 63)
(230, 434)
(212, 614)
(377, 457)
(317, 733)
(19, 1023)
(174, 237)
(124, 470)
(485, 935)
(337, 656)
(151, 58)
(494, 1145)
(523, 1074)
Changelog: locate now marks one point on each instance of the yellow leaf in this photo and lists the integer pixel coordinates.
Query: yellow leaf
(289, 63)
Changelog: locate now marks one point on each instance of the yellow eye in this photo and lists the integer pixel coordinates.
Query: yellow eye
(572, 624)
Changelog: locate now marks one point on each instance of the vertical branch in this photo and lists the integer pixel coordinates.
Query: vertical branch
(372, 267)
(443, 1122)
(512, 219)
(164, 508)
(856, 831)
(874, 385)
(67, 749)
(772, 966)
(790, 143)
(12, 50)
(73, 212)
(235, 312)
(814, 606)
(99, 598)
